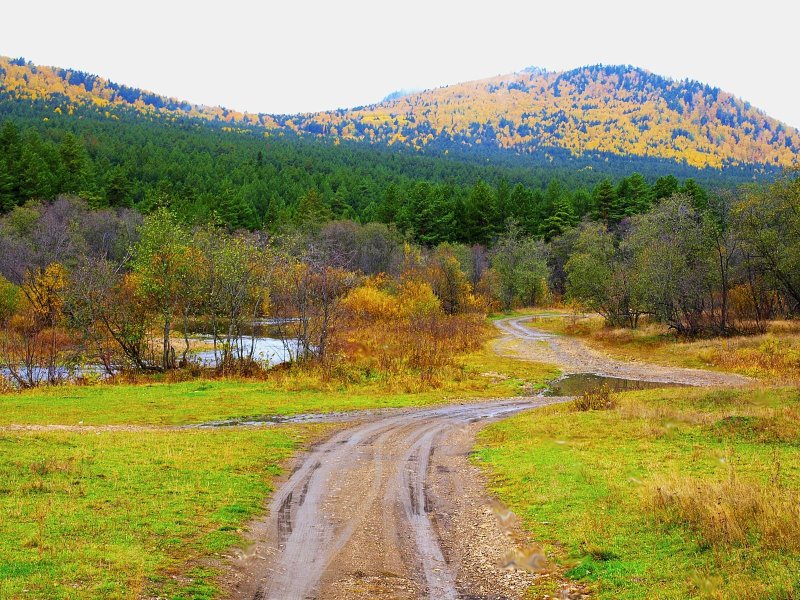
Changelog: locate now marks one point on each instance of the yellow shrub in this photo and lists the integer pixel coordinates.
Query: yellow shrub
(416, 299)
(370, 303)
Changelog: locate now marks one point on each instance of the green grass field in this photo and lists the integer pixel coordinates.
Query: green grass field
(117, 514)
(676, 493)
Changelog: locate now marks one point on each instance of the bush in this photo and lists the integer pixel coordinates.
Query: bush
(599, 399)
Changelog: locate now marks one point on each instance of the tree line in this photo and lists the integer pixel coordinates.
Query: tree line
(122, 292)
(203, 176)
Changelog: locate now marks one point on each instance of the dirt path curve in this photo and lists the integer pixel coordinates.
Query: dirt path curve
(572, 355)
(388, 508)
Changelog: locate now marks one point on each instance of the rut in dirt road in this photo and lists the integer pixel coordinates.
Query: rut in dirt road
(361, 515)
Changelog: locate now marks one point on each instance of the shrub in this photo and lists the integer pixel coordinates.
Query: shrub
(599, 399)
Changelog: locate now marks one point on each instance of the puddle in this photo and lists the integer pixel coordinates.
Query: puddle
(578, 383)
(267, 420)
(260, 420)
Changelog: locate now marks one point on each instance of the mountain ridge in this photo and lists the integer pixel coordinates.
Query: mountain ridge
(591, 111)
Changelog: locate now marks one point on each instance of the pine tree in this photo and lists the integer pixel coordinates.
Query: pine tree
(340, 206)
(7, 196)
(504, 205)
(437, 215)
(665, 187)
(35, 178)
(118, 189)
(74, 165)
(276, 217)
(581, 202)
(311, 210)
(562, 218)
(698, 194)
(479, 223)
(234, 211)
(388, 209)
(605, 207)
(639, 194)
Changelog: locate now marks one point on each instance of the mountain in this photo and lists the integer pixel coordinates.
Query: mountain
(591, 113)
(595, 110)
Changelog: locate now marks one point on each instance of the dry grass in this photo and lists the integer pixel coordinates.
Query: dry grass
(774, 355)
(732, 512)
(676, 493)
(601, 399)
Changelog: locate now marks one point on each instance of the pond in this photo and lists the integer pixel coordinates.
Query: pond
(266, 350)
(270, 351)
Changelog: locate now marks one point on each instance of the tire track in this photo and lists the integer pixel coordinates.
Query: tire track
(357, 513)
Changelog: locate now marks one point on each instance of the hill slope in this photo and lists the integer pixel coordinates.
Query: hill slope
(591, 112)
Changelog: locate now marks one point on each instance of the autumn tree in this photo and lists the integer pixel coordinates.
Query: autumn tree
(162, 267)
(600, 275)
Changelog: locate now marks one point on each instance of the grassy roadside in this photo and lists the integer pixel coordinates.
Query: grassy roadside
(775, 354)
(127, 514)
(483, 375)
(675, 493)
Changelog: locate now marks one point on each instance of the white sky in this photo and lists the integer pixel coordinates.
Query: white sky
(309, 55)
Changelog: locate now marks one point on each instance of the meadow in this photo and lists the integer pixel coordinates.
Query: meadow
(126, 514)
(669, 493)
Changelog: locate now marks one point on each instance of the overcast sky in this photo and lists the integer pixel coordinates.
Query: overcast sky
(305, 55)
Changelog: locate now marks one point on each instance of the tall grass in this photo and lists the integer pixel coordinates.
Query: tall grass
(731, 512)
(599, 399)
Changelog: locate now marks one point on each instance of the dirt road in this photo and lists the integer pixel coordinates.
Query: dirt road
(390, 506)
(572, 355)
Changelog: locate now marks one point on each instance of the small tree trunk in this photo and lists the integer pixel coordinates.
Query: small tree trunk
(167, 350)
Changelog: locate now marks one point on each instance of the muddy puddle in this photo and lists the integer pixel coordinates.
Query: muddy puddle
(262, 420)
(576, 384)
(270, 420)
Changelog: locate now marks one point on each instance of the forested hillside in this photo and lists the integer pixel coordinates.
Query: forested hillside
(591, 112)
(243, 182)
(66, 132)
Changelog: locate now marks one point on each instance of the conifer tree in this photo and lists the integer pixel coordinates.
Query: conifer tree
(639, 195)
(480, 214)
(7, 196)
(504, 205)
(74, 165)
(311, 210)
(605, 207)
(698, 194)
(562, 218)
(118, 189)
(665, 187)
